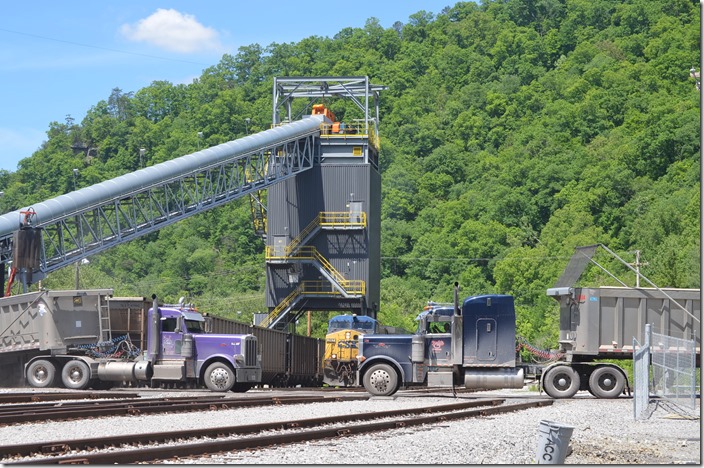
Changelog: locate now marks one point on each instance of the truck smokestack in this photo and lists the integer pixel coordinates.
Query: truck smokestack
(153, 344)
(458, 312)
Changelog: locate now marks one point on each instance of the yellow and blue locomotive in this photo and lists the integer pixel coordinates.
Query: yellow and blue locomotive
(341, 344)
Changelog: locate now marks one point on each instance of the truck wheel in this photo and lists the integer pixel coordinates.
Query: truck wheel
(41, 374)
(219, 377)
(606, 382)
(76, 375)
(561, 382)
(381, 380)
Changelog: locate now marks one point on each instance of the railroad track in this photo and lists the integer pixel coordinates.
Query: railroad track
(56, 396)
(185, 445)
(21, 413)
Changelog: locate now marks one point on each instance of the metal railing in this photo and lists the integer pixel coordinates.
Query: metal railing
(312, 288)
(328, 219)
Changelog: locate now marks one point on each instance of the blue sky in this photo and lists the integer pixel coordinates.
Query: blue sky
(61, 58)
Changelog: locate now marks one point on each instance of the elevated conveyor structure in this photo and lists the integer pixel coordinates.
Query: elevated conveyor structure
(55, 233)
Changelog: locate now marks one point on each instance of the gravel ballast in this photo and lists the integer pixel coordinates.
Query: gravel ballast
(605, 432)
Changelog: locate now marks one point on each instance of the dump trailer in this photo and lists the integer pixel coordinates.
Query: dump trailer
(600, 323)
(474, 344)
(88, 338)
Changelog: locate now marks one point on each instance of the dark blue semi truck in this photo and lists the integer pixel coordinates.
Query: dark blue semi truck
(473, 344)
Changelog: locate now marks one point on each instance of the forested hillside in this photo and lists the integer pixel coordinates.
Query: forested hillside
(511, 132)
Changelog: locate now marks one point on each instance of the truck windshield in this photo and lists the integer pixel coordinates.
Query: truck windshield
(194, 326)
(347, 322)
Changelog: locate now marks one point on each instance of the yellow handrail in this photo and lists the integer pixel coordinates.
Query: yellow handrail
(307, 253)
(357, 287)
(332, 219)
(280, 307)
(294, 252)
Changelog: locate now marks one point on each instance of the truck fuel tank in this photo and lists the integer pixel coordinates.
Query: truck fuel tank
(116, 371)
(494, 378)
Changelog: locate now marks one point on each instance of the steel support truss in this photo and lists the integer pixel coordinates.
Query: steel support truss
(83, 233)
(356, 88)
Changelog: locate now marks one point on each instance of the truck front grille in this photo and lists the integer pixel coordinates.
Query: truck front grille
(250, 351)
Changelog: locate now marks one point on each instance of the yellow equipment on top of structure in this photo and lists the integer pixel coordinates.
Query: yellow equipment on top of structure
(320, 109)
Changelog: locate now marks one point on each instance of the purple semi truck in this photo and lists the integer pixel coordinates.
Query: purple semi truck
(88, 339)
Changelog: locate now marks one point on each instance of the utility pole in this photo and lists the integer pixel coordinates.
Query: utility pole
(638, 264)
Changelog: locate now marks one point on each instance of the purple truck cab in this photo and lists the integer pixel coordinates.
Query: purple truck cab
(179, 349)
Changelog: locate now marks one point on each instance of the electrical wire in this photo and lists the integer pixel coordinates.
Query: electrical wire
(100, 48)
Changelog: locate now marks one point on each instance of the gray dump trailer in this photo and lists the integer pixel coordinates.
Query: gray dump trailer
(27, 329)
(600, 323)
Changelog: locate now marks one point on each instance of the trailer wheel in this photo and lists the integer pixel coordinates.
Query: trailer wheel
(219, 377)
(381, 380)
(41, 374)
(76, 375)
(606, 382)
(561, 382)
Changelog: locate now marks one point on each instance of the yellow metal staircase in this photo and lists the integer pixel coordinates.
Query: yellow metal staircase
(328, 220)
(354, 288)
(337, 284)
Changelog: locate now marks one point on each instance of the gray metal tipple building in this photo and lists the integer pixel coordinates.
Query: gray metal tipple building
(323, 226)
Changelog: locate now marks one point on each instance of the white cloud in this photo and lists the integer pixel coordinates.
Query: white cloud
(173, 31)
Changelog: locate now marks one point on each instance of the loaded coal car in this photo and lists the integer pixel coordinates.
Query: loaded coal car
(87, 338)
(287, 359)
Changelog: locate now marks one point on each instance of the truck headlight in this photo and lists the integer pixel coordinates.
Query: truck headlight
(334, 356)
(239, 358)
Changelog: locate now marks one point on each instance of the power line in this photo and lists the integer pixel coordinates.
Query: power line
(472, 259)
(101, 48)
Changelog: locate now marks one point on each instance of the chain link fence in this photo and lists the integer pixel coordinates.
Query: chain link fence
(672, 377)
(674, 370)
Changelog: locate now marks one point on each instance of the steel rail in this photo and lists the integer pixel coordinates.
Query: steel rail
(28, 413)
(55, 396)
(187, 450)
